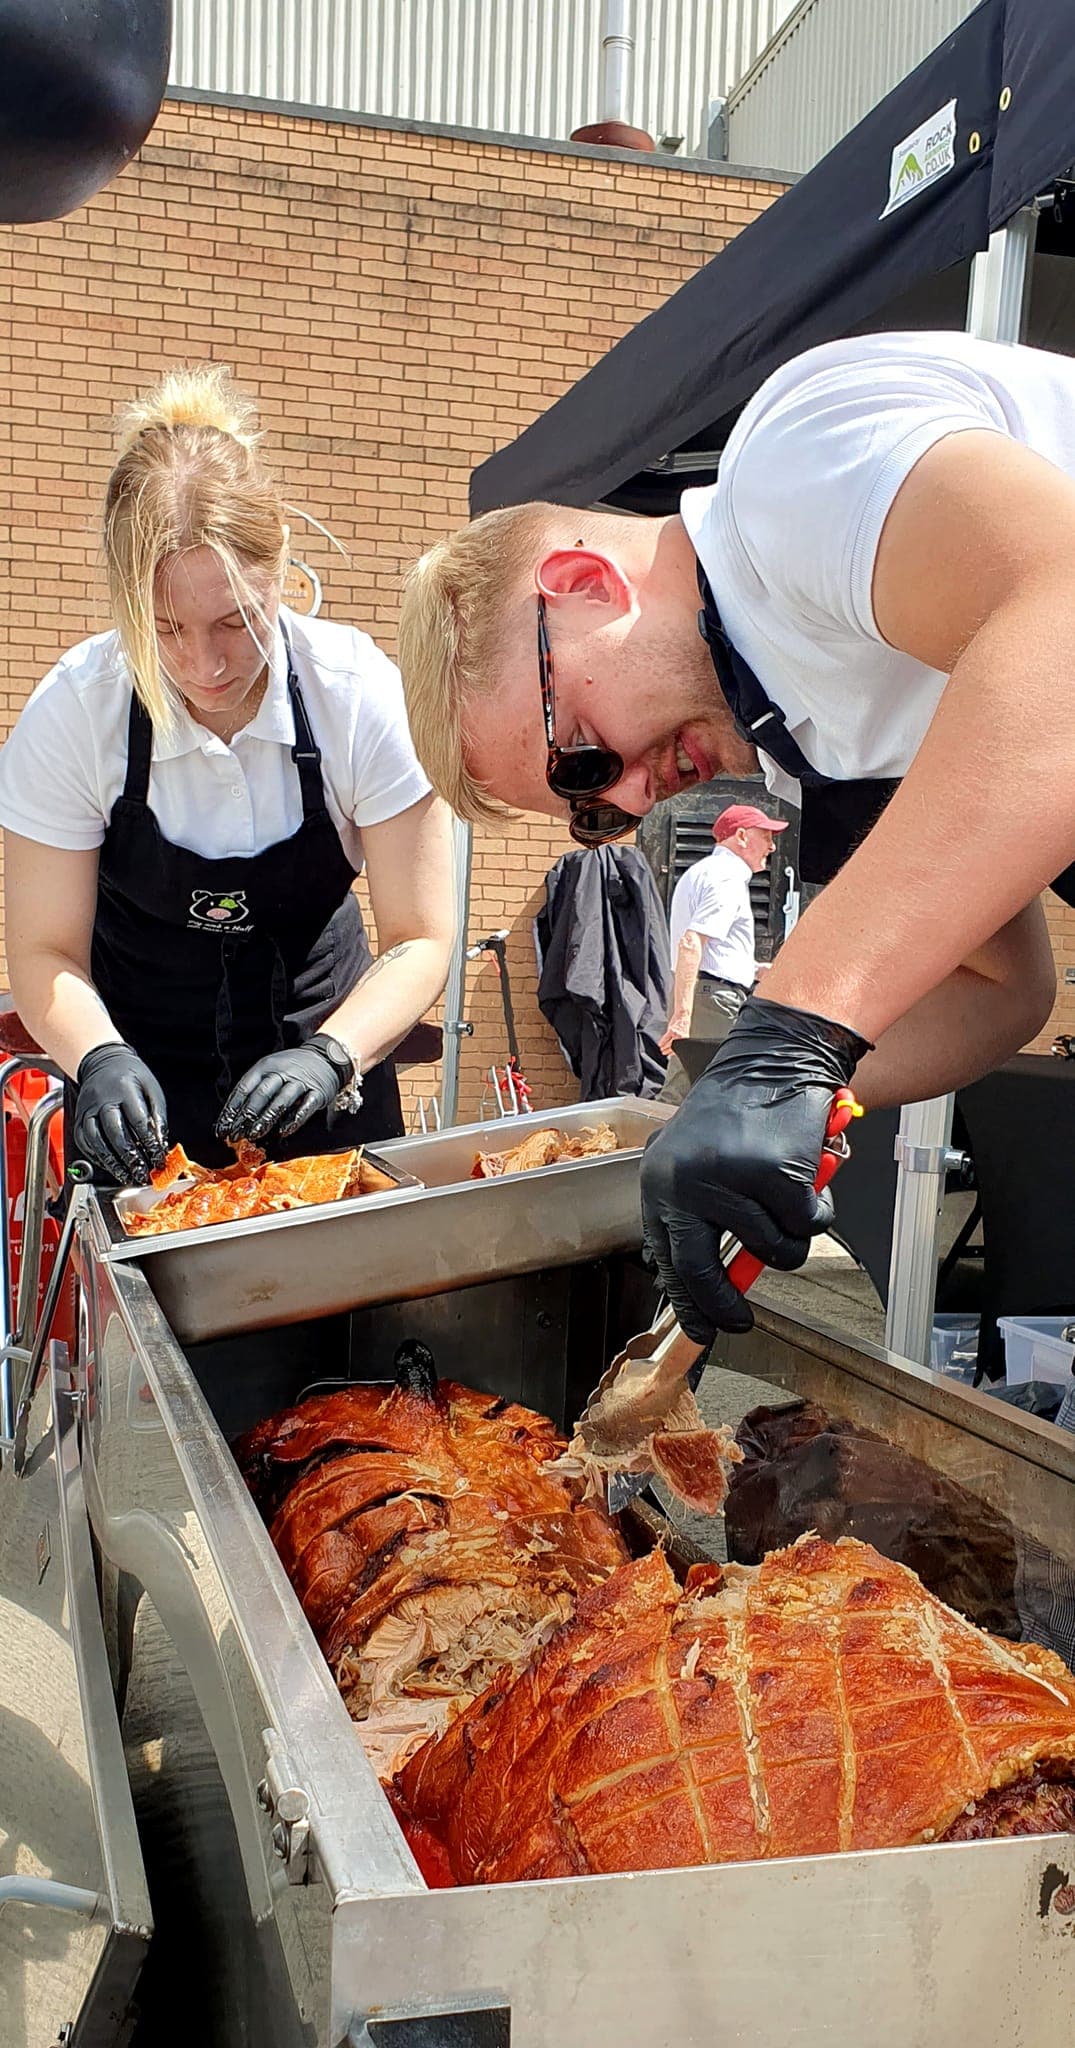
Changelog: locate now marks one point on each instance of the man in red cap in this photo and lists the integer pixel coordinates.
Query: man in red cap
(712, 929)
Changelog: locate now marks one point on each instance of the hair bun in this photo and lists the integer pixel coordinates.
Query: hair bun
(203, 396)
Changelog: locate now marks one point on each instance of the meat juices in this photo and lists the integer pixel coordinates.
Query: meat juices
(820, 1701)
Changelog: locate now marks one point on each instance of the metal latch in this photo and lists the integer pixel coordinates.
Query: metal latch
(288, 1804)
(928, 1158)
(476, 2020)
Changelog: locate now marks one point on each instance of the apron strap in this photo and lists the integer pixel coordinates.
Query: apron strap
(757, 718)
(139, 752)
(835, 816)
(305, 753)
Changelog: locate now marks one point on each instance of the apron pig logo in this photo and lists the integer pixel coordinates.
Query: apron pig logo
(216, 910)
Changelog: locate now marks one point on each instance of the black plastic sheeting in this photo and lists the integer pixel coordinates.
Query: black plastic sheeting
(818, 264)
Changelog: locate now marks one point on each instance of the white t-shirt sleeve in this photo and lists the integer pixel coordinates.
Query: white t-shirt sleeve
(48, 771)
(815, 477)
(388, 777)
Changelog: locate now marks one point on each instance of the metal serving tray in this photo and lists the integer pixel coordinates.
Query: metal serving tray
(422, 1239)
(443, 1158)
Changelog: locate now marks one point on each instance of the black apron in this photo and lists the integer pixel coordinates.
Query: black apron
(834, 816)
(206, 965)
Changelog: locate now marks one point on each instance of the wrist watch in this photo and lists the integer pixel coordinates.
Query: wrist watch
(349, 1068)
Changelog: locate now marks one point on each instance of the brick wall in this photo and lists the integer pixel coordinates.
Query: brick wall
(1061, 922)
(401, 304)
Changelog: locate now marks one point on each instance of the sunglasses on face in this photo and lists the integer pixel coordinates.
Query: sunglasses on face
(581, 773)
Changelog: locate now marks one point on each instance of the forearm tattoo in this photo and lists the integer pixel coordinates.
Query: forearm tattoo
(382, 960)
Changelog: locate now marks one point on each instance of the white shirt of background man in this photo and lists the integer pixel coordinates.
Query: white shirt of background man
(713, 900)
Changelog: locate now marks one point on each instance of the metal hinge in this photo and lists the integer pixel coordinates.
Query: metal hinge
(288, 1805)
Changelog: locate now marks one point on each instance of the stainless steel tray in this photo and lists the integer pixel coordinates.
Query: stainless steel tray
(451, 1232)
(441, 1158)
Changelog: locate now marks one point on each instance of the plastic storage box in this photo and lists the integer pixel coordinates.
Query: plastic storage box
(1035, 1349)
(953, 1346)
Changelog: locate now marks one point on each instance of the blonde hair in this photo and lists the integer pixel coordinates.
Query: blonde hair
(188, 475)
(453, 635)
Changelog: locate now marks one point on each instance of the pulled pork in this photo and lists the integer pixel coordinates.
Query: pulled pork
(821, 1701)
(427, 1543)
(546, 1148)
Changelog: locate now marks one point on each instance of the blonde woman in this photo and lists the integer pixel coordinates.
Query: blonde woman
(186, 801)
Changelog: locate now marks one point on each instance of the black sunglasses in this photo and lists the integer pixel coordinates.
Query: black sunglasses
(583, 773)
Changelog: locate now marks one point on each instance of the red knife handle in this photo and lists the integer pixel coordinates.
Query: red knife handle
(744, 1268)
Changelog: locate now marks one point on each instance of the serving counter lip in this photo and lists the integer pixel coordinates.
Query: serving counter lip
(976, 1413)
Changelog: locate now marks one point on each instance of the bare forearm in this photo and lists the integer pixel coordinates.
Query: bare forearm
(688, 963)
(400, 986)
(60, 1007)
(952, 861)
(961, 1030)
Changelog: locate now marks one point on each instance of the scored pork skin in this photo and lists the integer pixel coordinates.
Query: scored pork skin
(821, 1701)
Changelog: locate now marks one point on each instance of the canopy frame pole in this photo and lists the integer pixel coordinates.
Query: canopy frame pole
(996, 311)
(455, 1024)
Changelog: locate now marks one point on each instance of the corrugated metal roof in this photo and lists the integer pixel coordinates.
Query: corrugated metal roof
(830, 62)
(524, 67)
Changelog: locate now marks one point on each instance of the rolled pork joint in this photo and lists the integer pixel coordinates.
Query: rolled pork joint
(429, 1546)
(820, 1701)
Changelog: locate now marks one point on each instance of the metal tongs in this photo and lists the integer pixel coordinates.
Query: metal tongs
(650, 1384)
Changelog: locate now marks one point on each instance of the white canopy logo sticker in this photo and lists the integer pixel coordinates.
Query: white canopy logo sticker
(920, 159)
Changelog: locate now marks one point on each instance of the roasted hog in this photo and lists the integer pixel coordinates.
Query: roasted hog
(822, 1701)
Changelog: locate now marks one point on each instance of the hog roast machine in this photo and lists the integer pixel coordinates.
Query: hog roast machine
(164, 1707)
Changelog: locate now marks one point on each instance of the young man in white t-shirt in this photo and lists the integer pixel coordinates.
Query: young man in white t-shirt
(890, 553)
(711, 924)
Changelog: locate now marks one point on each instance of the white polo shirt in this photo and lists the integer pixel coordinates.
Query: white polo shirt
(64, 764)
(788, 535)
(713, 899)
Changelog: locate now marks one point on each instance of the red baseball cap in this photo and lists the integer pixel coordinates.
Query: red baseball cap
(740, 817)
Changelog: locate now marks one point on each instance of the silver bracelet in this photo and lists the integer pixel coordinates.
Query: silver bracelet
(349, 1100)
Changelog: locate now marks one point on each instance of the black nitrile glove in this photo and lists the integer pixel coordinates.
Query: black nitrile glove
(741, 1155)
(121, 1117)
(281, 1092)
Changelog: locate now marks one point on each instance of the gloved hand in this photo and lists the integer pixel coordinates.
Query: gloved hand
(741, 1155)
(282, 1091)
(121, 1117)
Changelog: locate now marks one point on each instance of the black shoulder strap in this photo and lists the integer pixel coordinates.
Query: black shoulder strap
(836, 816)
(305, 753)
(139, 751)
(757, 718)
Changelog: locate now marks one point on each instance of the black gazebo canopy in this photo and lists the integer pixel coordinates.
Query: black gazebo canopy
(827, 258)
